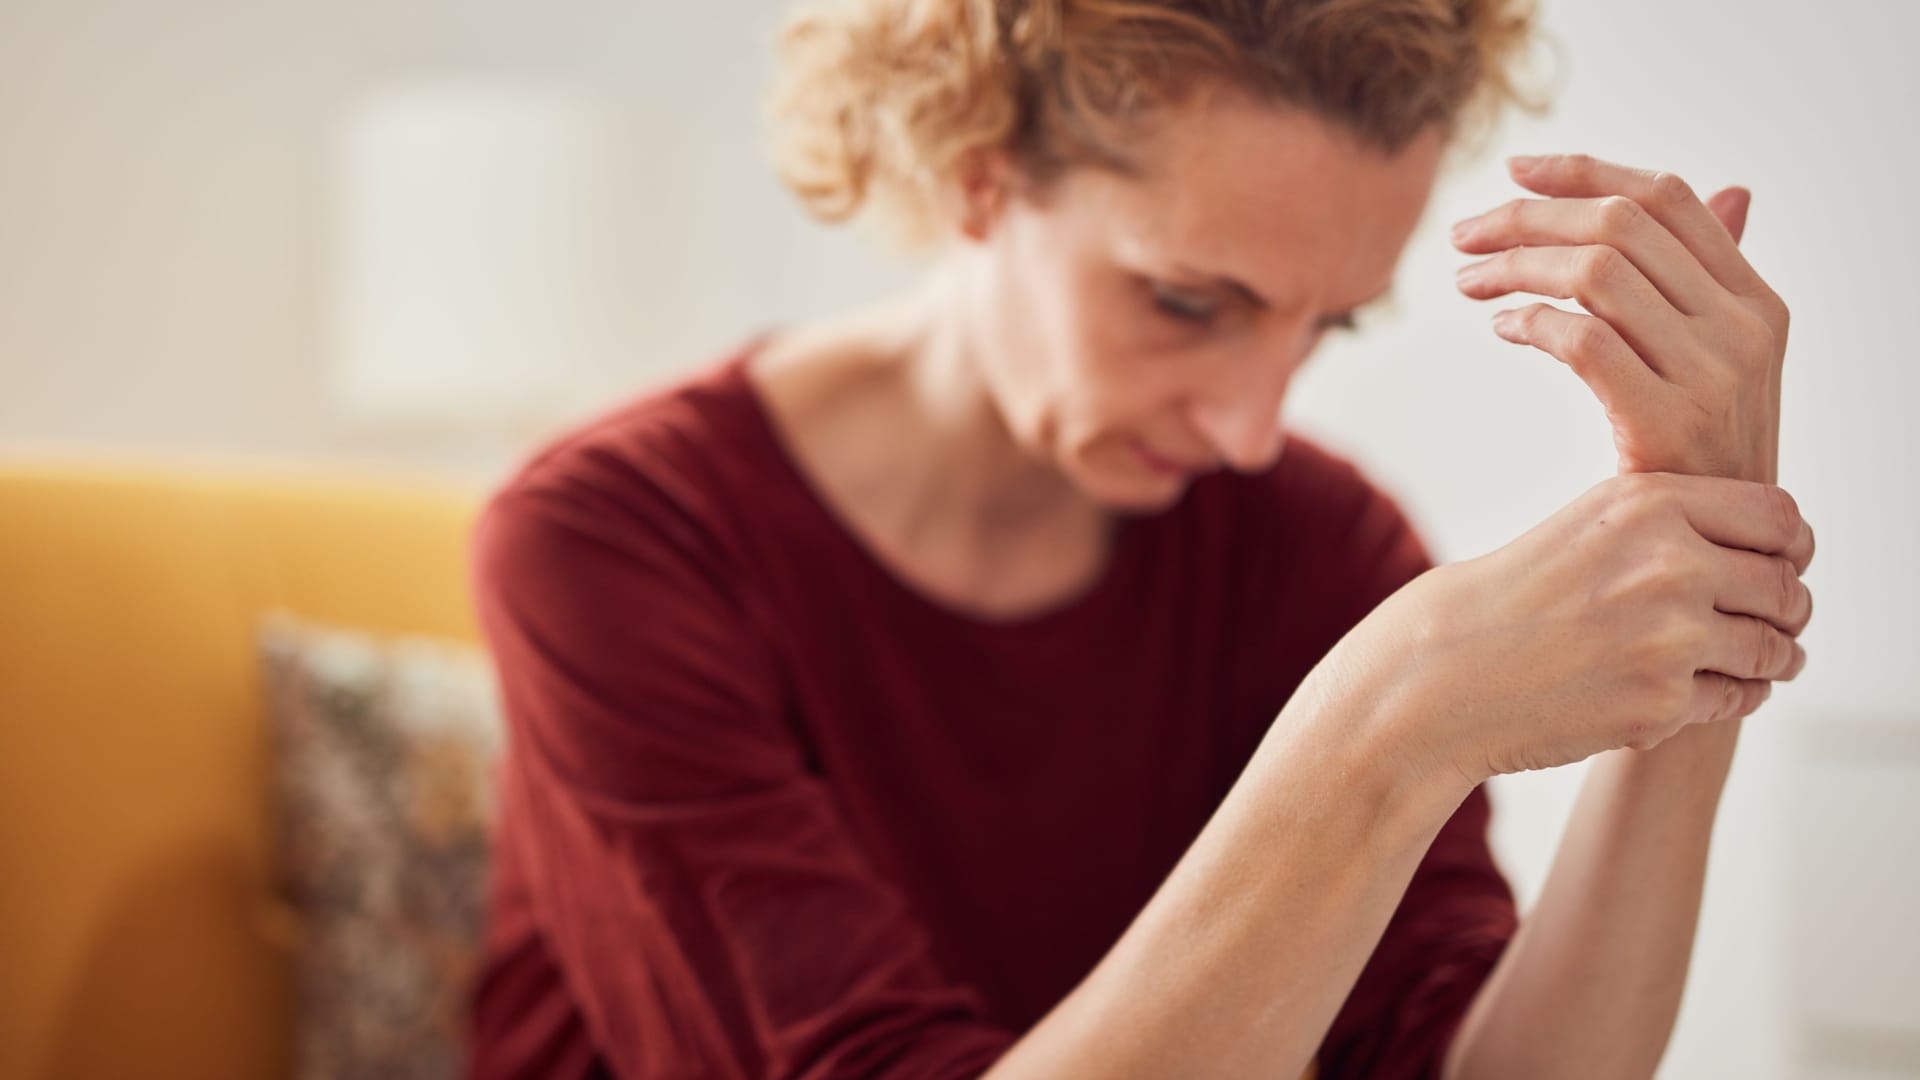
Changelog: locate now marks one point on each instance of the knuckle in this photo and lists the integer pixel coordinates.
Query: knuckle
(1785, 510)
(1659, 717)
(1674, 644)
(1619, 490)
(1767, 651)
(1669, 189)
(1677, 695)
(1619, 215)
(1675, 560)
(1753, 335)
(1661, 710)
(1791, 593)
(1599, 264)
(1775, 311)
(1670, 699)
(1509, 215)
(1654, 502)
(1606, 498)
(1527, 319)
(1788, 658)
(1587, 340)
(1645, 501)
(1682, 580)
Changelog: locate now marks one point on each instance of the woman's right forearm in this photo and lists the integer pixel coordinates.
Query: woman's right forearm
(1238, 964)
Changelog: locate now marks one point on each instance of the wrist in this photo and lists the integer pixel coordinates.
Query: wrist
(1372, 723)
(1757, 462)
(1698, 755)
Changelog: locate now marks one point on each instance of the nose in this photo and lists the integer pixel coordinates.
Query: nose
(1239, 415)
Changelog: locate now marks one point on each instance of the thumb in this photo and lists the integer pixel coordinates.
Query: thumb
(1729, 204)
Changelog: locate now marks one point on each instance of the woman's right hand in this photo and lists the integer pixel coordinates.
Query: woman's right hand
(1653, 601)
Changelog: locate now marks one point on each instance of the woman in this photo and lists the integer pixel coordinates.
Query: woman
(984, 683)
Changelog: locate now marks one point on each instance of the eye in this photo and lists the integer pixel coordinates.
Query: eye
(1184, 306)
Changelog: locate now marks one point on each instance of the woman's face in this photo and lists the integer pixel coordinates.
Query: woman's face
(1138, 331)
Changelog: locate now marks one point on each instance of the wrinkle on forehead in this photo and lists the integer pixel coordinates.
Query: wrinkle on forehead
(1269, 194)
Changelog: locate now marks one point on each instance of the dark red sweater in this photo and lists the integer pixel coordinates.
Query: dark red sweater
(768, 811)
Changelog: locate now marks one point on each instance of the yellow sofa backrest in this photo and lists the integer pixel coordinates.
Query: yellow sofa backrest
(135, 904)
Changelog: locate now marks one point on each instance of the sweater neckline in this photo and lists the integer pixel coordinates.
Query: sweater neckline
(1093, 602)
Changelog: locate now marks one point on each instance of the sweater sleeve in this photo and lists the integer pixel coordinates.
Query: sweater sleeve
(711, 913)
(1458, 912)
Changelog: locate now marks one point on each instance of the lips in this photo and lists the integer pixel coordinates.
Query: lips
(1171, 466)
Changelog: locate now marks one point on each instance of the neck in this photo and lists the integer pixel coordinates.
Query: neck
(972, 475)
(892, 411)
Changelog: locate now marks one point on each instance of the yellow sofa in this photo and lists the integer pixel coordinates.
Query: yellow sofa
(137, 928)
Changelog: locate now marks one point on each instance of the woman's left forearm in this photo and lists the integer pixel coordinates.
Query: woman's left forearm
(1591, 983)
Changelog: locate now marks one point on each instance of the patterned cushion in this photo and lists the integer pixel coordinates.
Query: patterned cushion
(383, 752)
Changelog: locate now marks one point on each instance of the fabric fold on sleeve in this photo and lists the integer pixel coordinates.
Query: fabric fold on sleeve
(712, 914)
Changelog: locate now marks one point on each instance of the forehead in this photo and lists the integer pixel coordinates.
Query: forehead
(1273, 196)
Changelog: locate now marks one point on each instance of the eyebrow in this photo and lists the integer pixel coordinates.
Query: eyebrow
(1246, 292)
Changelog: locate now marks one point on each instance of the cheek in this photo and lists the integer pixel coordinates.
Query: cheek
(1077, 365)
(1119, 380)
(1052, 364)
(1120, 398)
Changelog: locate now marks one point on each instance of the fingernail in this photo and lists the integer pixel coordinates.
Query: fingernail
(1503, 321)
(1463, 227)
(1524, 161)
(1467, 274)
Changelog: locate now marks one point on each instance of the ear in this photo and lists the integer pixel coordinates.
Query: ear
(985, 180)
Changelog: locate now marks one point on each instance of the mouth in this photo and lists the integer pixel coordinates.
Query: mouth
(1164, 466)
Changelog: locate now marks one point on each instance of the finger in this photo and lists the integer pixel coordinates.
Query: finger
(1717, 697)
(1748, 648)
(1730, 205)
(1604, 281)
(1667, 197)
(1743, 514)
(1593, 349)
(1614, 220)
(1763, 586)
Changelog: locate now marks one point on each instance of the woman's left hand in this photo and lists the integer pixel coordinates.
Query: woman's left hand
(1684, 342)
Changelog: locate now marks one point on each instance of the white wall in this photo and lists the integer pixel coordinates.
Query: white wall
(161, 201)
(163, 196)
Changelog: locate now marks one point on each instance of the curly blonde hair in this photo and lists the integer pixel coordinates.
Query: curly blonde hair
(879, 101)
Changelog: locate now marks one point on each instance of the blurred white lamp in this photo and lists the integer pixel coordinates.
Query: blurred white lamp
(477, 274)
